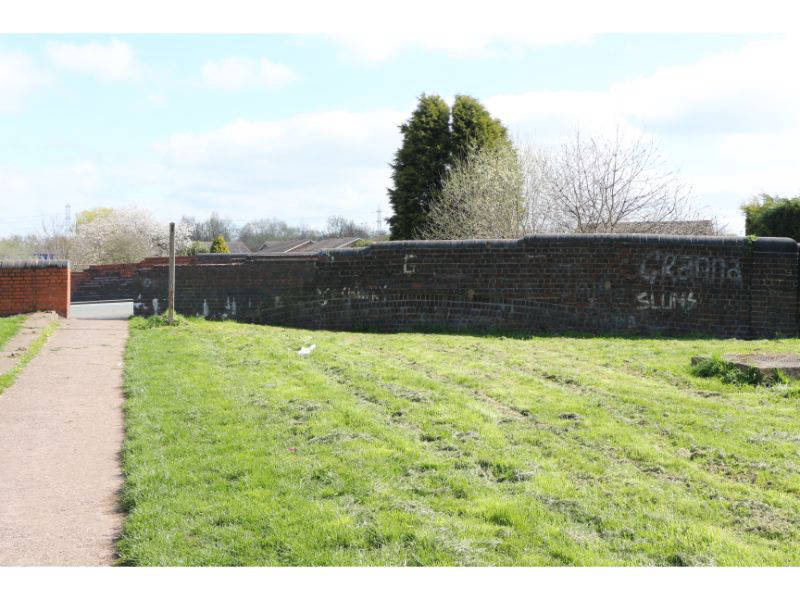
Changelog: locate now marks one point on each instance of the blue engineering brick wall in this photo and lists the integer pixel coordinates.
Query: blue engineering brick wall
(671, 285)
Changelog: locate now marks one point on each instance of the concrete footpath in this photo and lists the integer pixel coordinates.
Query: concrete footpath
(61, 432)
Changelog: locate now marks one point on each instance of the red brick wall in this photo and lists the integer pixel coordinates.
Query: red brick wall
(76, 278)
(30, 286)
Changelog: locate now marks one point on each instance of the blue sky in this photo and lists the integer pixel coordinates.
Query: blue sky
(301, 127)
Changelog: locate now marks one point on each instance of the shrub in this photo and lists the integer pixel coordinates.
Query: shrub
(195, 248)
(768, 216)
(219, 246)
(736, 375)
(161, 320)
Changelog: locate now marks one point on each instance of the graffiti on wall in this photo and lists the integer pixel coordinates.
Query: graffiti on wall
(667, 268)
(684, 301)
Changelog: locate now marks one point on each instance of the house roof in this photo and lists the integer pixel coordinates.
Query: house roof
(280, 246)
(305, 246)
(235, 246)
(238, 247)
(702, 227)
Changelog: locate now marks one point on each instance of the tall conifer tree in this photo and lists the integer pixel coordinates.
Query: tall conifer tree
(473, 128)
(432, 142)
(419, 166)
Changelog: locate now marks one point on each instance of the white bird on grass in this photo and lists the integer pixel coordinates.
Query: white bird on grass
(306, 350)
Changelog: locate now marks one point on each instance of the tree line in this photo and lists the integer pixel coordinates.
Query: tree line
(254, 233)
(458, 175)
(125, 235)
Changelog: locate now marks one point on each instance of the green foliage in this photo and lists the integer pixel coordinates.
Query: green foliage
(196, 248)
(8, 378)
(419, 165)
(431, 145)
(161, 320)
(482, 197)
(219, 246)
(750, 240)
(779, 377)
(768, 216)
(727, 372)
(9, 326)
(473, 128)
(730, 373)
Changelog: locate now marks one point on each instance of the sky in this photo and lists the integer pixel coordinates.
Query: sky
(302, 127)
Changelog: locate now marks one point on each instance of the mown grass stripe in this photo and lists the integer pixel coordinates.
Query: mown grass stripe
(9, 327)
(437, 449)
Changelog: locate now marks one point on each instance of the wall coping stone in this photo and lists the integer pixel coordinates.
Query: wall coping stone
(765, 244)
(34, 263)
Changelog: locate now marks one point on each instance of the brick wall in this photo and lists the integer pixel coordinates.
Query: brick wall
(112, 281)
(30, 286)
(672, 285)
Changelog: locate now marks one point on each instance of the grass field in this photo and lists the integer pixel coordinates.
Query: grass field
(9, 326)
(427, 449)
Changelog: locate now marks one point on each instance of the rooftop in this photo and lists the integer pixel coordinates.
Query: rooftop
(235, 246)
(701, 227)
(305, 246)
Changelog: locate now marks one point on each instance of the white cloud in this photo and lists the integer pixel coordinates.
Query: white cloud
(334, 137)
(748, 90)
(233, 73)
(114, 61)
(302, 168)
(19, 77)
(730, 122)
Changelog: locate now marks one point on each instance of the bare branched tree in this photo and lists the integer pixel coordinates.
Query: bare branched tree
(213, 226)
(255, 233)
(596, 185)
(56, 240)
(540, 214)
(482, 197)
(338, 226)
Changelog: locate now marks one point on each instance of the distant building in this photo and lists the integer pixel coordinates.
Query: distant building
(235, 247)
(238, 247)
(703, 227)
(305, 246)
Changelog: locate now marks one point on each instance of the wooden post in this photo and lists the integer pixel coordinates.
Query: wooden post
(171, 297)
